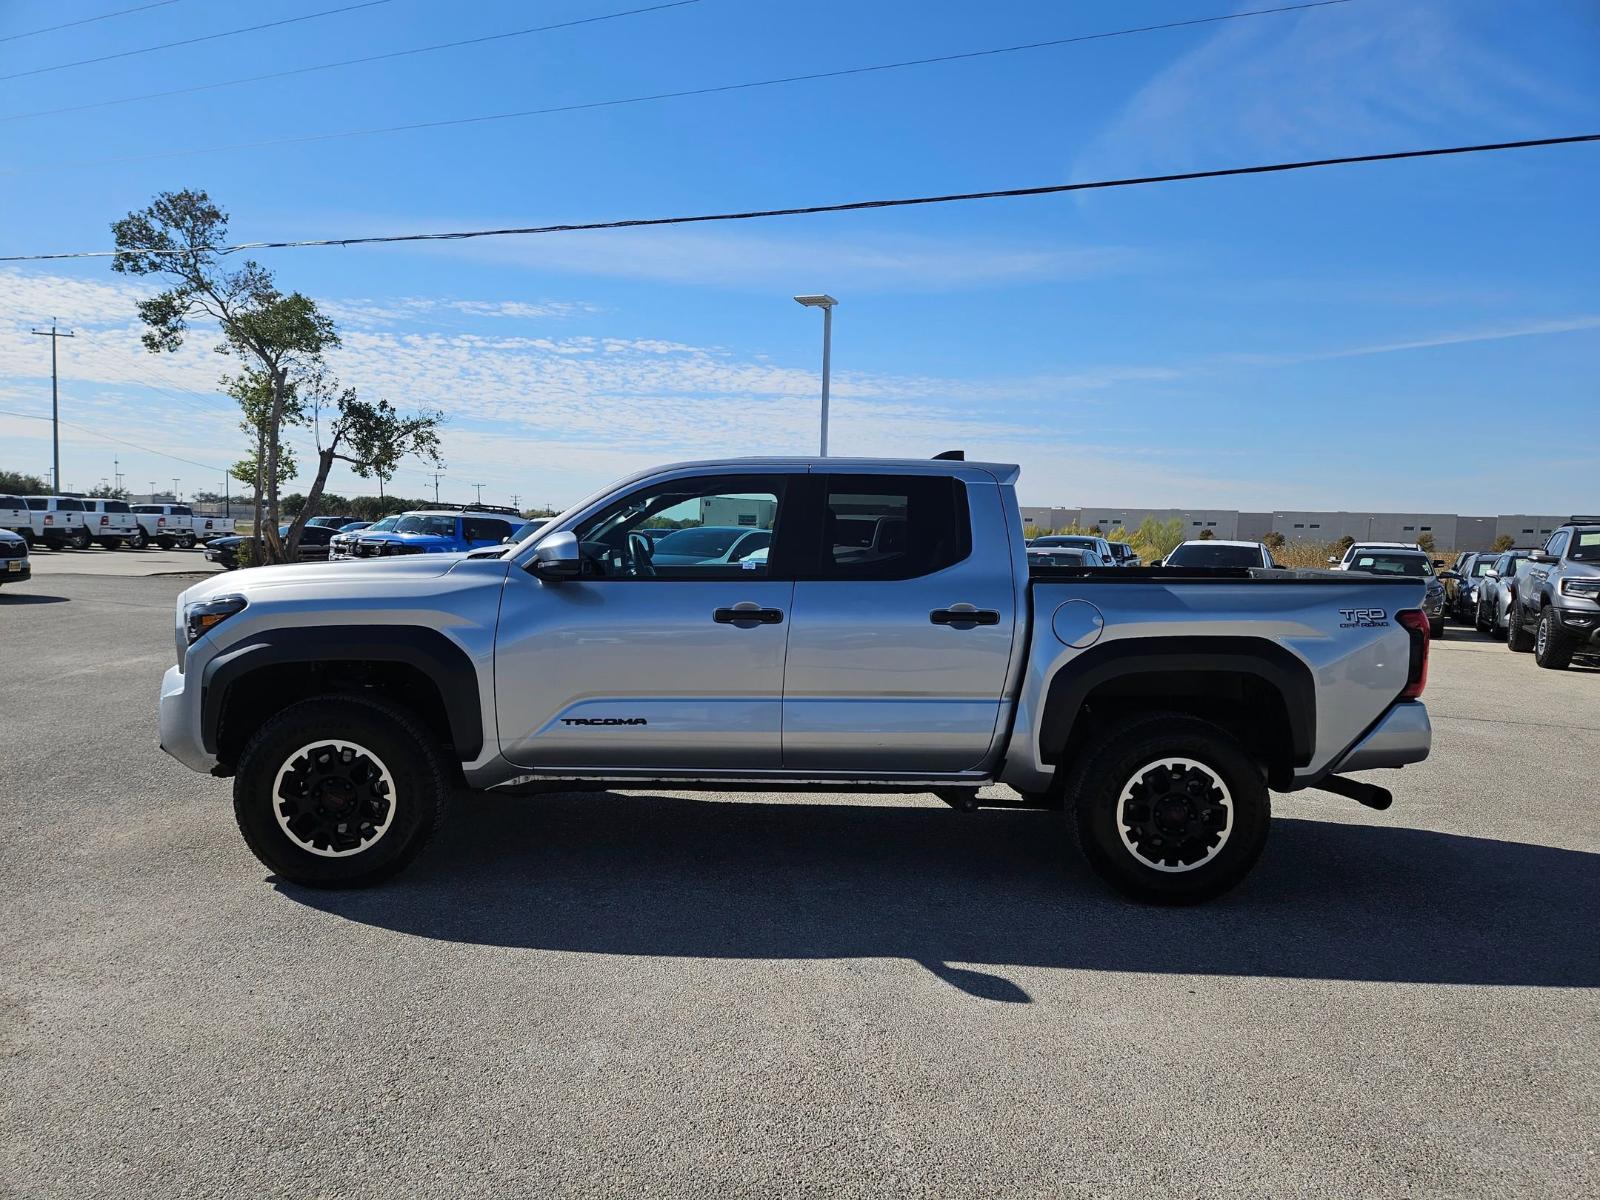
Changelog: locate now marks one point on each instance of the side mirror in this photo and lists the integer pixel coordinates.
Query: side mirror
(1539, 556)
(1449, 574)
(1491, 573)
(558, 557)
(1333, 559)
(1437, 563)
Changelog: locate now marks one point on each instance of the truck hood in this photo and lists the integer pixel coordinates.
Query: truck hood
(348, 578)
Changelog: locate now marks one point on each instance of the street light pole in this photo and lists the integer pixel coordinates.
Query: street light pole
(825, 302)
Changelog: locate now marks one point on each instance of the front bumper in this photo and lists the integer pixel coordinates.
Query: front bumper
(1581, 622)
(12, 570)
(1404, 735)
(180, 721)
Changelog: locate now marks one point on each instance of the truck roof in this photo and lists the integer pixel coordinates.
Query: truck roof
(1002, 472)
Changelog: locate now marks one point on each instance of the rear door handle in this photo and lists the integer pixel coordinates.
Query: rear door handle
(747, 614)
(964, 616)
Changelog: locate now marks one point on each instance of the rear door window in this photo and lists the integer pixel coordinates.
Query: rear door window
(484, 529)
(893, 526)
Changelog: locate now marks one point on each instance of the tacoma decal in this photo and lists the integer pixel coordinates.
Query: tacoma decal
(604, 721)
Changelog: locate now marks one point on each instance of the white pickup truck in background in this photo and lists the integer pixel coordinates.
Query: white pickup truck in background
(209, 525)
(57, 522)
(14, 514)
(167, 525)
(111, 522)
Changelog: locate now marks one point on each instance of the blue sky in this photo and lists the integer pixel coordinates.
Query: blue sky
(1414, 335)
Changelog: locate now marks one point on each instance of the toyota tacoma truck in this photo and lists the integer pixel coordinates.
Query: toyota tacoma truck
(892, 637)
(1554, 609)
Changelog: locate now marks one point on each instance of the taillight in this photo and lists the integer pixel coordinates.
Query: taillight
(1416, 624)
(49, 518)
(104, 520)
(160, 521)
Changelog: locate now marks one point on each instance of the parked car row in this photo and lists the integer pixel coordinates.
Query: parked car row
(78, 522)
(1546, 600)
(440, 530)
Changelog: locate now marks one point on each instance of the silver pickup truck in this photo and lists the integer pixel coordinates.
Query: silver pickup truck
(887, 635)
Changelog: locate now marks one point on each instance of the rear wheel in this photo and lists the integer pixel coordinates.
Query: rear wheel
(1479, 622)
(339, 791)
(138, 539)
(186, 541)
(80, 539)
(111, 543)
(1553, 647)
(166, 543)
(1170, 810)
(1517, 638)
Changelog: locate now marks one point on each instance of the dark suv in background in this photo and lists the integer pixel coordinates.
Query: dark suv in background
(1555, 609)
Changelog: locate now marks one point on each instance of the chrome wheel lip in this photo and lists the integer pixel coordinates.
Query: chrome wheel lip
(1184, 764)
(340, 744)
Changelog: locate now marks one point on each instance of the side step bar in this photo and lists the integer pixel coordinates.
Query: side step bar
(1369, 794)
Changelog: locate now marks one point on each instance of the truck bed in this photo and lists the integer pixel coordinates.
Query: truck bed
(1169, 575)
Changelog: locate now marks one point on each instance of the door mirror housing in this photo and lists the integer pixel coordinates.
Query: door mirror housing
(558, 557)
(1539, 556)
(1333, 558)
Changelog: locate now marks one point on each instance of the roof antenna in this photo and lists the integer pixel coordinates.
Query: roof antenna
(951, 456)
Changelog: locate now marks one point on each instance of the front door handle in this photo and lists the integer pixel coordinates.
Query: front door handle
(747, 613)
(964, 616)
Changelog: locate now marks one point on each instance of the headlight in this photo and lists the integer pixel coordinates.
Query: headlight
(1588, 589)
(201, 618)
(1472, 593)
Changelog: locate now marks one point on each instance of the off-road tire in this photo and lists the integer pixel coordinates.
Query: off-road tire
(393, 734)
(1094, 804)
(1517, 638)
(187, 541)
(80, 539)
(138, 539)
(1553, 646)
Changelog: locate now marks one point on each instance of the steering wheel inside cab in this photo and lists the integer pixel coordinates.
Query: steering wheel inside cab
(606, 561)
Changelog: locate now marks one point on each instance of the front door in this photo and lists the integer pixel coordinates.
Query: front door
(902, 636)
(667, 654)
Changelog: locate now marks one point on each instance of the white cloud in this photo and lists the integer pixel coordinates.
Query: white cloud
(1334, 79)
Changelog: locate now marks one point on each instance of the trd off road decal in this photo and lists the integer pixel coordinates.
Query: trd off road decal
(1362, 618)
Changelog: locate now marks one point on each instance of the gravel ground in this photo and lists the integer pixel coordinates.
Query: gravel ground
(673, 994)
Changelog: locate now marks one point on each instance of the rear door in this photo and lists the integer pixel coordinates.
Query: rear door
(902, 627)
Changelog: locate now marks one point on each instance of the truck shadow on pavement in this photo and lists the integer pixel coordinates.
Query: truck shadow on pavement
(606, 873)
(19, 598)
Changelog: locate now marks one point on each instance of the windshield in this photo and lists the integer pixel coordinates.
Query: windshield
(433, 526)
(1061, 556)
(1585, 545)
(381, 526)
(710, 542)
(1061, 539)
(1198, 554)
(1412, 566)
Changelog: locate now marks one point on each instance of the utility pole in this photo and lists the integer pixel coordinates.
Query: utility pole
(479, 486)
(116, 472)
(54, 335)
(516, 501)
(436, 475)
(227, 509)
(174, 489)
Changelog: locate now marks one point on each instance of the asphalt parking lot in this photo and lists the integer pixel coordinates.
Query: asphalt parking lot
(652, 993)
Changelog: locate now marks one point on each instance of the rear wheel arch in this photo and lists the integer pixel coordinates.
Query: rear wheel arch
(1257, 691)
(412, 667)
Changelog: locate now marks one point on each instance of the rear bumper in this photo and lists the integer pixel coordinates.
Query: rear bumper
(1404, 735)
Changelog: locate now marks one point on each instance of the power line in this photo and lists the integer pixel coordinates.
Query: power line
(121, 12)
(122, 441)
(678, 95)
(350, 62)
(209, 37)
(861, 205)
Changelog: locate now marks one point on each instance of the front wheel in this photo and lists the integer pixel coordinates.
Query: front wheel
(339, 791)
(1552, 646)
(1170, 810)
